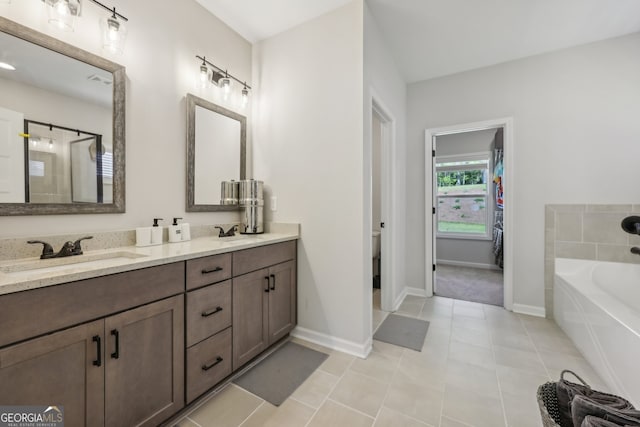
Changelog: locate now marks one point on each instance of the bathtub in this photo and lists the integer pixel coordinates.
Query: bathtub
(597, 304)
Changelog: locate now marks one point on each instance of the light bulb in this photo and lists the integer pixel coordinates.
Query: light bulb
(113, 30)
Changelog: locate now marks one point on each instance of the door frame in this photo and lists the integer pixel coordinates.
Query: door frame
(509, 188)
(387, 199)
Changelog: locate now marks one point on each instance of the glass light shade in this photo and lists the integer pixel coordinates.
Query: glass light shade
(225, 84)
(245, 97)
(114, 34)
(62, 13)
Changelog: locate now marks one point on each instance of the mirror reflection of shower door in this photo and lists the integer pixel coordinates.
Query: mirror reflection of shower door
(65, 165)
(86, 170)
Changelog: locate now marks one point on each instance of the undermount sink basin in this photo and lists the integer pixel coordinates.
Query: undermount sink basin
(68, 263)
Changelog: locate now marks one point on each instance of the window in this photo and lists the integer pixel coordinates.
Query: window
(462, 198)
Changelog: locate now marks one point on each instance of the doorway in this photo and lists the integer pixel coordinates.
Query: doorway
(468, 243)
(382, 214)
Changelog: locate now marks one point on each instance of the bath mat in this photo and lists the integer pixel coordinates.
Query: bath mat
(281, 373)
(403, 331)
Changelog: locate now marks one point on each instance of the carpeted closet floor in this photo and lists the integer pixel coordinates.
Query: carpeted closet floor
(469, 284)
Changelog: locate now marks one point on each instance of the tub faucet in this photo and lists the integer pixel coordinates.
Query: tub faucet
(635, 250)
(631, 224)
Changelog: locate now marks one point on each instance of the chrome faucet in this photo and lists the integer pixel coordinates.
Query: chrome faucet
(635, 250)
(68, 248)
(231, 232)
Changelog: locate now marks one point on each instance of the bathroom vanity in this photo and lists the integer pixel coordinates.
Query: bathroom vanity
(131, 342)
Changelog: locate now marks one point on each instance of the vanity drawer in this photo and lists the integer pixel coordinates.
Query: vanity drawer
(208, 311)
(263, 256)
(207, 270)
(208, 363)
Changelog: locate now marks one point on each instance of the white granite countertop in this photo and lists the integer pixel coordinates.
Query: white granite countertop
(32, 273)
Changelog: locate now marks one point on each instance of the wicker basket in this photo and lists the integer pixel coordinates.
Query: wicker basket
(548, 400)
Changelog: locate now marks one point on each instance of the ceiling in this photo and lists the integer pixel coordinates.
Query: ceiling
(432, 38)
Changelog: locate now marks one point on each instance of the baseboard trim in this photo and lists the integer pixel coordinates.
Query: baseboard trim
(399, 299)
(531, 310)
(468, 264)
(418, 292)
(334, 343)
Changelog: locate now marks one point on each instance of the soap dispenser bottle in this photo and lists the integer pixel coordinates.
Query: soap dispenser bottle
(175, 231)
(156, 232)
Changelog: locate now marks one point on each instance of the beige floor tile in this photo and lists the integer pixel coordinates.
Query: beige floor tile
(388, 349)
(415, 400)
(410, 308)
(554, 343)
(520, 359)
(337, 363)
(289, 414)
(520, 341)
(360, 392)
(316, 388)
(557, 362)
(470, 336)
(377, 318)
(332, 414)
(434, 310)
(377, 365)
(473, 324)
(448, 422)
(521, 412)
(229, 408)
(185, 422)
(415, 298)
(468, 311)
(472, 354)
(388, 418)
(520, 383)
(510, 326)
(432, 375)
(472, 378)
(478, 410)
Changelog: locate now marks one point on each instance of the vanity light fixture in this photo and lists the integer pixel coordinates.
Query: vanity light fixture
(62, 13)
(224, 80)
(204, 73)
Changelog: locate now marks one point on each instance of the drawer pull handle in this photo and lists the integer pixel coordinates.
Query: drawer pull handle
(267, 279)
(211, 270)
(116, 353)
(273, 282)
(98, 361)
(211, 312)
(206, 367)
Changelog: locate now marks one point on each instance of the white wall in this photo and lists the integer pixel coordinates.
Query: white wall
(308, 149)
(376, 171)
(471, 251)
(161, 69)
(383, 81)
(576, 133)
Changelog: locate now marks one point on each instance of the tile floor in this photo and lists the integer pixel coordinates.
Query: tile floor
(480, 366)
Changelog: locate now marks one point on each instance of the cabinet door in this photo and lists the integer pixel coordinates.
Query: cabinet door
(62, 369)
(145, 364)
(282, 300)
(250, 316)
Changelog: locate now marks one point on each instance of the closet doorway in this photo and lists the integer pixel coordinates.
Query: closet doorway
(467, 235)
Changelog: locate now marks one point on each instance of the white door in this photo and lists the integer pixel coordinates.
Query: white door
(11, 157)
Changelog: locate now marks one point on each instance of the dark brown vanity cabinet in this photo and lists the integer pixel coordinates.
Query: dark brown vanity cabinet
(208, 323)
(123, 369)
(264, 300)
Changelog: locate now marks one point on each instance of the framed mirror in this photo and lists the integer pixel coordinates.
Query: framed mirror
(216, 152)
(62, 127)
